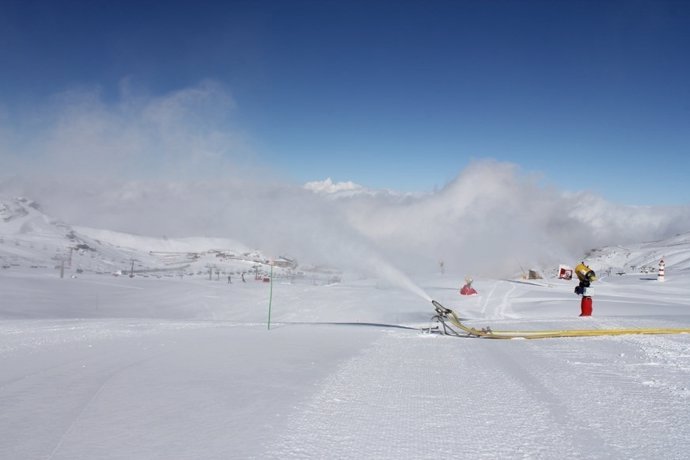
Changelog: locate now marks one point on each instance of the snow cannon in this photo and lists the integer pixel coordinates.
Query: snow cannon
(467, 289)
(440, 309)
(586, 276)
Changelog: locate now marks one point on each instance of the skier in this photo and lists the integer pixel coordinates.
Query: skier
(586, 276)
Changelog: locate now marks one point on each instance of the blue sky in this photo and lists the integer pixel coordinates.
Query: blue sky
(401, 95)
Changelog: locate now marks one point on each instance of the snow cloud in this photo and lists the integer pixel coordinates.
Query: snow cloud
(181, 135)
(494, 217)
(176, 165)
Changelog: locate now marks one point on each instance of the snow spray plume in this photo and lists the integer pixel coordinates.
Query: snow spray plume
(397, 278)
(492, 215)
(311, 227)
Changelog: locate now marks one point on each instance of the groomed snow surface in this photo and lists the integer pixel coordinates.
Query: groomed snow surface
(103, 367)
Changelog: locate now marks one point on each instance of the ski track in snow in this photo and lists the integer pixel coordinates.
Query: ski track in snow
(100, 384)
(64, 389)
(502, 308)
(566, 399)
(486, 300)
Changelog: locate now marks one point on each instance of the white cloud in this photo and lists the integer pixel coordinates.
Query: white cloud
(175, 165)
(183, 134)
(329, 187)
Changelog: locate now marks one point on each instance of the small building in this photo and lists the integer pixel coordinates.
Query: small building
(285, 262)
(534, 275)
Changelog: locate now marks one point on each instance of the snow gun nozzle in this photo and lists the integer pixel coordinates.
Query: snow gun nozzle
(440, 309)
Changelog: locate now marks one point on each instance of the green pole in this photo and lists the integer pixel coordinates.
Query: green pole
(270, 299)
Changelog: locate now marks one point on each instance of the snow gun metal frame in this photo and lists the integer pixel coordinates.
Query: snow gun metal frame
(442, 318)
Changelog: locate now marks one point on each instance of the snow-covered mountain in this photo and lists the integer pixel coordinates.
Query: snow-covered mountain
(22, 216)
(31, 239)
(644, 257)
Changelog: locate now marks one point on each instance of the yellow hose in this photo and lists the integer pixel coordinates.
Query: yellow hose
(489, 334)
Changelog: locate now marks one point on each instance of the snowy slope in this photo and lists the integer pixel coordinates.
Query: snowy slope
(636, 257)
(186, 367)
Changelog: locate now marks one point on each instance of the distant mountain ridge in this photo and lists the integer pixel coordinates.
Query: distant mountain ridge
(645, 257)
(30, 238)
